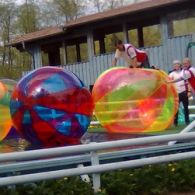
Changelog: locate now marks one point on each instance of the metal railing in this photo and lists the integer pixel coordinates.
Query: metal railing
(93, 158)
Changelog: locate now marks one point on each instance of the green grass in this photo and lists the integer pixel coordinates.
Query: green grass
(170, 130)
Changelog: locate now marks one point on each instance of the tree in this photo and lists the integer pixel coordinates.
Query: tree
(45, 18)
(99, 5)
(71, 9)
(112, 4)
(7, 14)
(28, 17)
(102, 5)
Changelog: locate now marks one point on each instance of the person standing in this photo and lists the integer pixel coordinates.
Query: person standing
(135, 58)
(188, 74)
(181, 90)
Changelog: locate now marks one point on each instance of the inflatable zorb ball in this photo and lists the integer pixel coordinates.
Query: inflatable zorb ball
(51, 107)
(10, 84)
(5, 118)
(134, 100)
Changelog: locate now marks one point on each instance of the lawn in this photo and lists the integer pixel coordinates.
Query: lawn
(172, 129)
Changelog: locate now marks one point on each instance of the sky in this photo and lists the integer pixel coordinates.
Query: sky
(22, 1)
(19, 1)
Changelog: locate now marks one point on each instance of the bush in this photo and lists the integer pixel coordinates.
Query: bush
(149, 180)
(65, 186)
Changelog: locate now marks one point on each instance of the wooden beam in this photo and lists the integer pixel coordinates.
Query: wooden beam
(125, 32)
(78, 52)
(90, 44)
(140, 37)
(102, 45)
(36, 56)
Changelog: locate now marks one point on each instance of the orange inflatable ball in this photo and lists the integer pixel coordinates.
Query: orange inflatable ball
(5, 118)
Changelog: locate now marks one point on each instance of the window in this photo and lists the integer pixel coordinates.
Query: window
(83, 51)
(133, 37)
(183, 26)
(62, 53)
(110, 39)
(71, 54)
(152, 35)
(97, 47)
(45, 60)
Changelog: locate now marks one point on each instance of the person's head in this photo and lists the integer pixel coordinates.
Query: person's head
(186, 63)
(176, 65)
(119, 45)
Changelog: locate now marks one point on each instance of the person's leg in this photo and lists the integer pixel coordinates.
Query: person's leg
(176, 116)
(185, 102)
(176, 119)
(145, 64)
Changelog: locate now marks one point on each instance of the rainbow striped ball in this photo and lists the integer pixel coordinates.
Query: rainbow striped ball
(50, 107)
(134, 100)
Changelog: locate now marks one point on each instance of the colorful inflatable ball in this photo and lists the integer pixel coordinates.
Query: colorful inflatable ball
(50, 107)
(134, 100)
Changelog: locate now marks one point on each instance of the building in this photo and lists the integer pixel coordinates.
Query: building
(84, 39)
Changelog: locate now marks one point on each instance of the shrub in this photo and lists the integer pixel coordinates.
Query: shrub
(149, 180)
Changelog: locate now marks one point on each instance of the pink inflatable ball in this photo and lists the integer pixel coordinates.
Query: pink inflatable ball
(134, 100)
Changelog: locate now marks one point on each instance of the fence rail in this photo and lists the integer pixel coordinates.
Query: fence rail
(94, 158)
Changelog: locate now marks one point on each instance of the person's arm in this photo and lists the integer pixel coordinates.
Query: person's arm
(185, 76)
(174, 81)
(114, 61)
(134, 62)
(116, 57)
(132, 54)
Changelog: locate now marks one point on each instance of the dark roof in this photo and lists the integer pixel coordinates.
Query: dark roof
(132, 8)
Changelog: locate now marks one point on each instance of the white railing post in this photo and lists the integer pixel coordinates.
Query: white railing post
(185, 130)
(95, 176)
(84, 177)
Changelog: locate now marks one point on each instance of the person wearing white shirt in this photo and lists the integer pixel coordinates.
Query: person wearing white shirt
(180, 85)
(134, 58)
(188, 74)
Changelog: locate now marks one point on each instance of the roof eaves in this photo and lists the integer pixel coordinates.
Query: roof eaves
(132, 8)
(33, 36)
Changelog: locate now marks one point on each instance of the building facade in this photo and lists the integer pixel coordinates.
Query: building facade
(85, 46)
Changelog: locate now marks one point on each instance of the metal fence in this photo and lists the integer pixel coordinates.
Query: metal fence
(94, 158)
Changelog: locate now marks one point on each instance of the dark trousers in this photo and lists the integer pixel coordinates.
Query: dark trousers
(145, 63)
(183, 97)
